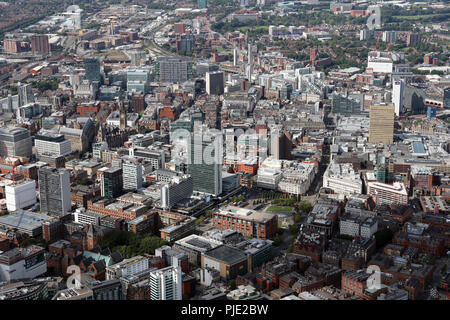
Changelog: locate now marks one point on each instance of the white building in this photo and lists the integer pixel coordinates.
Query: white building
(114, 119)
(387, 193)
(132, 174)
(165, 284)
(20, 194)
(342, 178)
(398, 88)
(22, 263)
(177, 189)
(127, 267)
(380, 62)
(389, 36)
(48, 142)
(86, 217)
(269, 178)
(84, 90)
(297, 179)
(360, 226)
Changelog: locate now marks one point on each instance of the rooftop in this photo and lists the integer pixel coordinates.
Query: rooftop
(22, 219)
(246, 213)
(226, 254)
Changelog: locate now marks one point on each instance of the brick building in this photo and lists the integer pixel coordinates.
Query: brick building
(251, 223)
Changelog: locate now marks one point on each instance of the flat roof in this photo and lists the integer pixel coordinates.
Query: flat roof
(24, 219)
(245, 213)
(418, 147)
(198, 243)
(226, 254)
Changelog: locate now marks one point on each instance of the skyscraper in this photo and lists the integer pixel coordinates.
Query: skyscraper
(168, 69)
(54, 191)
(381, 126)
(214, 82)
(15, 142)
(25, 94)
(92, 67)
(165, 284)
(398, 89)
(280, 144)
(205, 165)
(111, 183)
(132, 174)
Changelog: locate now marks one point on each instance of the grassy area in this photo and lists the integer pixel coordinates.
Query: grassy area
(279, 209)
(420, 17)
(244, 29)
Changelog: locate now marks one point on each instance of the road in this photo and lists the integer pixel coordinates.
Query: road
(152, 28)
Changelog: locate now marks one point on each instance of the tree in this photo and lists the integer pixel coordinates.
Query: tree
(130, 244)
(277, 241)
(305, 206)
(33, 241)
(200, 220)
(297, 217)
(232, 284)
(293, 229)
(3, 213)
(209, 213)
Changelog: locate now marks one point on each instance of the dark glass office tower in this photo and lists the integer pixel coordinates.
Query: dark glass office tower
(112, 183)
(92, 67)
(206, 174)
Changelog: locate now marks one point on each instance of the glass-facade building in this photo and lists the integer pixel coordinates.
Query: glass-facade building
(92, 67)
(206, 173)
(112, 183)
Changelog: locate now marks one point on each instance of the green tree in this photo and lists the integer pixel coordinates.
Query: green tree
(277, 241)
(33, 241)
(200, 220)
(208, 213)
(232, 284)
(305, 206)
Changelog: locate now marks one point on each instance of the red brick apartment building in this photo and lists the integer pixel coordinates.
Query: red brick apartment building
(250, 223)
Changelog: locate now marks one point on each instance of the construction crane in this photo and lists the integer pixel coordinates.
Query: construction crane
(13, 165)
(376, 45)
